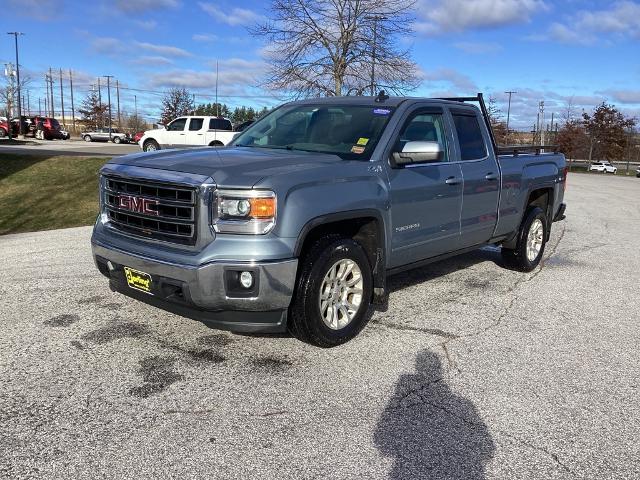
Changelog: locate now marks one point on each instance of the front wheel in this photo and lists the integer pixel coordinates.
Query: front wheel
(333, 292)
(532, 238)
(87, 138)
(117, 140)
(150, 146)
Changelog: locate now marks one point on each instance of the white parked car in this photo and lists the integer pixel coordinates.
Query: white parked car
(603, 167)
(189, 131)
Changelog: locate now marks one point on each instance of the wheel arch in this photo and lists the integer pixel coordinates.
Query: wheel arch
(364, 226)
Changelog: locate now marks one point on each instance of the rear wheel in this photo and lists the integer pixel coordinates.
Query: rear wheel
(151, 146)
(216, 143)
(333, 292)
(117, 140)
(532, 238)
(87, 138)
(3, 132)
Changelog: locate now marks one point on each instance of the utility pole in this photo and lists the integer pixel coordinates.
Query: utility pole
(28, 104)
(509, 110)
(39, 107)
(62, 98)
(100, 105)
(15, 37)
(53, 106)
(109, 77)
(73, 110)
(118, 97)
(376, 19)
(542, 129)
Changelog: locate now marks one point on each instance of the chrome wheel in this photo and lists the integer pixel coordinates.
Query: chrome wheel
(150, 147)
(341, 294)
(535, 239)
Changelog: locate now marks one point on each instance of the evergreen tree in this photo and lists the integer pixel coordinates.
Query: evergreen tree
(93, 112)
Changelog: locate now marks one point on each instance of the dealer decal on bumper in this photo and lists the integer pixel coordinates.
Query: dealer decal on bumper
(138, 280)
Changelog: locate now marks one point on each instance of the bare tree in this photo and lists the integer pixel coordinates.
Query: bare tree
(337, 47)
(9, 93)
(176, 102)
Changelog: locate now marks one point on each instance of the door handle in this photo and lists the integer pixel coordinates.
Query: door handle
(453, 181)
(491, 176)
(182, 134)
(199, 134)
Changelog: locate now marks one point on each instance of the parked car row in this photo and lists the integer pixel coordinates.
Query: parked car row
(45, 128)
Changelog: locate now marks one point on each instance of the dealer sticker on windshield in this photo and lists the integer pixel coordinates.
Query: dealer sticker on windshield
(381, 111)
(138, 280)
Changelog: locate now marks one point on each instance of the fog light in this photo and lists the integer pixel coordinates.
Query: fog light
(246, 279)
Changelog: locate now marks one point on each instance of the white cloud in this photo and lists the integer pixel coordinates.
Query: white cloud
(39, 9)
(146, 24)
(166, 50)
(624, 96)
(153, 60)
(442, 16)
(204, 37)
(236, 76)
(460, 82)
(106, 45)
(478, 48)
(588, 27)
(234, 17)
(136, 6)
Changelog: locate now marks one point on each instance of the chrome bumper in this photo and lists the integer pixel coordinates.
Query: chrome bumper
(199, 292)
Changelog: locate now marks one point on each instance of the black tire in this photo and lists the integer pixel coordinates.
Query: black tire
(3, 132)
(116, 140)
(150, 146)
(517, 258)
(216, 143)
(305, 320)
(87, 138)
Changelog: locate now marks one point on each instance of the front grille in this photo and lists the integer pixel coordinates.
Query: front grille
(144, 208)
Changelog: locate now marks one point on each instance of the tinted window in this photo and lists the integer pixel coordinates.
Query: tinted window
(177, 125)
(219, 124)
(424, 127)
(196, 124)
(470, 137)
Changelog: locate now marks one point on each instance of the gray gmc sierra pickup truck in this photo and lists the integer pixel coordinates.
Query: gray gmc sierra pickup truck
(298, 222)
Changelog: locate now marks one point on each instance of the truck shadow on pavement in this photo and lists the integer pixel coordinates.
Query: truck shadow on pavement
(429, 431)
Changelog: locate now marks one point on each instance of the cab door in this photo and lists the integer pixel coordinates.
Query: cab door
(481, 178)
(175, 135)
(426, 199)
(195, 132)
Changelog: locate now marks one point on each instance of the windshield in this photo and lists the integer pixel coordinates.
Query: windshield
(351, 132)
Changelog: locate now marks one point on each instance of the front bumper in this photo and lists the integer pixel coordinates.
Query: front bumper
(201, 293)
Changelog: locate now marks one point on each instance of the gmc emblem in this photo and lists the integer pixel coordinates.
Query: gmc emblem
(138, 204)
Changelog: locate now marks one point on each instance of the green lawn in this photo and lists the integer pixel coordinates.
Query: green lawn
(43, 193)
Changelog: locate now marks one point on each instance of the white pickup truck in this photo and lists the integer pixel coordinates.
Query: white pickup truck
(195, 131)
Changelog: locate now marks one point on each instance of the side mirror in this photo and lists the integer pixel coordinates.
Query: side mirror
(418, 152)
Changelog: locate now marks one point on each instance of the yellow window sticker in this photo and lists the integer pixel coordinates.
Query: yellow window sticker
(363, 141)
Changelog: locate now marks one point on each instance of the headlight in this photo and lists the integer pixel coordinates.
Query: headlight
(244, 211)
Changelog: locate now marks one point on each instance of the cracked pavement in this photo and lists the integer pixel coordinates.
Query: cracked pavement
(472, 372)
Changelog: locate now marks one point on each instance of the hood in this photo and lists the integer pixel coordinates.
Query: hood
(230, 167)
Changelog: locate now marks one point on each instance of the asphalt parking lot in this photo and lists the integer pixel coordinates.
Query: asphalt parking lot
(473, 372)
(68, 147)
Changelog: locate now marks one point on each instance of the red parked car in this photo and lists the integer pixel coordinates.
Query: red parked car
(4, 128)
(137, 137)
(50, 128)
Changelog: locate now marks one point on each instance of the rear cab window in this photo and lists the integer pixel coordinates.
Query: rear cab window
(195, 124)
(470, 139)
(220, 124)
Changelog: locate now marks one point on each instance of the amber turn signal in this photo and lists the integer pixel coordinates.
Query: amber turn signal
(263, 207)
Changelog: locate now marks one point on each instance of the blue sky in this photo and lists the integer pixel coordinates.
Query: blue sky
(587, 51)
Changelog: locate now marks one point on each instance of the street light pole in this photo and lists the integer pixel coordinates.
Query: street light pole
(509, 110)
(109, 77)
(15, 36)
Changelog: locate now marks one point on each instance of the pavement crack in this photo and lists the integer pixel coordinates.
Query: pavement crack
(431, 331)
